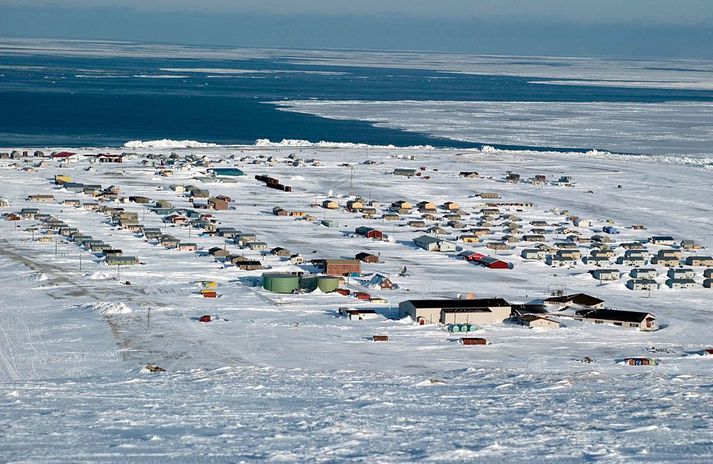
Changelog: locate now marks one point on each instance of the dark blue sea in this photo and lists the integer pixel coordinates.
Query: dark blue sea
(47, 99)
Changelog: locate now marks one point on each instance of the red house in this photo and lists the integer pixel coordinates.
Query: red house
(368, 232)
(62, 154)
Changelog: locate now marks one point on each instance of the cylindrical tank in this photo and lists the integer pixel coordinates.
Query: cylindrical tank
(327, 284)
(280, 283)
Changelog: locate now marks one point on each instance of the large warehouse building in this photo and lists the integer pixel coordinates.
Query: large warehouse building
(453, 311)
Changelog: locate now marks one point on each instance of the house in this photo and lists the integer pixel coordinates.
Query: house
(533, 253)
(489, 262)
(379, 281)
(404, 172)
(699, 261)
(572, 253)
(708, 283)
(537, 322)
(187, 246)
(218, 252)
(644, 273)
(662, 240)
(577, 299)
(169, 241)
(708, 273)
(355, 205)
(469, 238)
(390, 217)
(611, 230)
(218, 204)
(119, 260)
(456, 311)
(330, 204)
(631, 261)
(152, 232)
(605, 274)
(369, 232)
(681, 273)
(497, 246)
(342, 267)
(296, 259)
(664, 261)
(512, 178)
(177, 188)
(560, 261)
(451, 206)
(279, 251)
(417, 224)
(248, 265)
(429, 243)
(257, 246)
(367, 258)
(39, 198)
(581, 222)
(597, 260)
(533, 238)
(629, 319)
(670, 253)
(681, 283)
(690, 245)
(636, 253)
(278, 211)
(358, 314)
(426, 206)
(401, 206)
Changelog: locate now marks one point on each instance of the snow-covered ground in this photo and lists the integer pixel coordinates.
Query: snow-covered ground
(282, 378)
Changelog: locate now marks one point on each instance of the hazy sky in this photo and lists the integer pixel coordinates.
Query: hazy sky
(671, 28)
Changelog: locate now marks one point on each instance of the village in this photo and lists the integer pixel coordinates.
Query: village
(389, 238)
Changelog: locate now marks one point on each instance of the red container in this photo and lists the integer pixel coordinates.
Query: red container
(473, 341)
(380, 338)
(205, 318)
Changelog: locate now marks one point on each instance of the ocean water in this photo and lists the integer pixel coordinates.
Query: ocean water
(80, 99)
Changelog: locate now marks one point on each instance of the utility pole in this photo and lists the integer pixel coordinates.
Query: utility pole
(351, 180)
(80, 262)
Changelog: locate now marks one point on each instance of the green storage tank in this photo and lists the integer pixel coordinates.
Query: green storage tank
(280, 282)
(328, 284)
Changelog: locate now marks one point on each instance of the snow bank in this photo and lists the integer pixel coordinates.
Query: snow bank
(98, 276)
(106, 308)
(39, 276)
(323, 144)
(168, 143)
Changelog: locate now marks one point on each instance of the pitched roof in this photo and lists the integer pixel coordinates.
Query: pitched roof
(454, 304)
(615, 315)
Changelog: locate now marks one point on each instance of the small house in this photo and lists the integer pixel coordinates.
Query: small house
(699, 261)
(533, 253)
(218, 252)
(662, 240)
(187, 246)
(429, 243)
(644, 273)
(679, 284)
(537, 322)
(681, 273)
(404, 172)
(330, 204)
(605, 274)
(628, 319)
(280, 251)
(367, 258)
(369, 232)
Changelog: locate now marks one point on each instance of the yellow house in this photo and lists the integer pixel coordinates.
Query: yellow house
(469, 238)
(451, 205)
(61, 179)
(330, 204)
